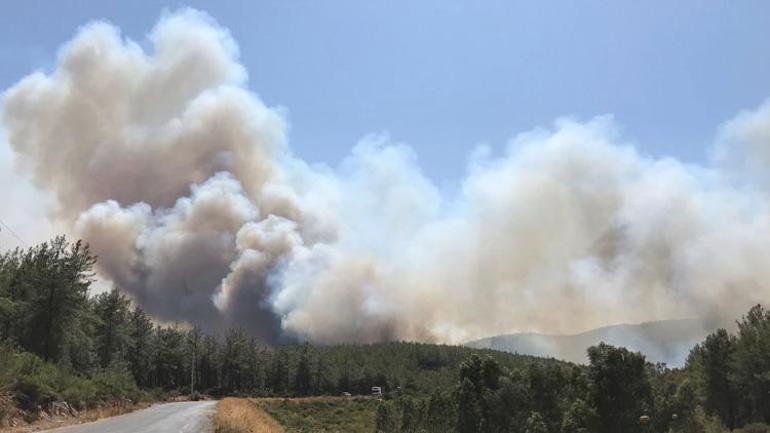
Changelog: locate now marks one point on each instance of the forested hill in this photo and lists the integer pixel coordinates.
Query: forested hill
(418, 367)
(666, 341)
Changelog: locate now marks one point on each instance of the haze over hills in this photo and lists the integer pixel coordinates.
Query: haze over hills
(667, 341)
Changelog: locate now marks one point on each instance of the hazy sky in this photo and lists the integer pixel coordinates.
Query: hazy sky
(444, 76)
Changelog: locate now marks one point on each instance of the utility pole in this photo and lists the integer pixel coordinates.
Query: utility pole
(194, 337)
(194, 340)
(13, 233)
(192, 373)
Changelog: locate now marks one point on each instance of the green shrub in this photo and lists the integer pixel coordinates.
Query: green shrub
(7, 366)
(36, 381)
(78, 392)
(758, 427)
(116, 382)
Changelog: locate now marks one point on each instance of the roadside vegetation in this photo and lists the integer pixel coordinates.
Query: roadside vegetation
(64, 349)
(322, 414)
(38, 385)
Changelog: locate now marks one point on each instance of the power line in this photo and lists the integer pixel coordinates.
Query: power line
(10, 230)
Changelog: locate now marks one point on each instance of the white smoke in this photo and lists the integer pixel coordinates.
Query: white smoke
(182, 181)
(24, 208)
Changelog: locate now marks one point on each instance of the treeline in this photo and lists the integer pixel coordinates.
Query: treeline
(60, 342)
(618, 392)
(725, 386)
(733, 371)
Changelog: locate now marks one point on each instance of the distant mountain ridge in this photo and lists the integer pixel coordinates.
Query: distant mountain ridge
(667, 341)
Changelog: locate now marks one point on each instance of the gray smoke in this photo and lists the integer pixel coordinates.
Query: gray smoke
(183, 182)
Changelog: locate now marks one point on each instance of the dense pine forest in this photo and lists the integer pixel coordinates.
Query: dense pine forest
(58, 342)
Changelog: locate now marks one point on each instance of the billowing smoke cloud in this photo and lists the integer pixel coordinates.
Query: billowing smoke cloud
(183, 182)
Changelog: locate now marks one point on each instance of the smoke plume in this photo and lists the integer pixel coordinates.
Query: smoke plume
(182, 181)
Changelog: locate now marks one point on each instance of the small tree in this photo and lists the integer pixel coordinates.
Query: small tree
(411, 415)
(579, 418)
(535, 424)
(441, 413)
(716, 354)
(385, 418)
(469, 416)
(112, 328)
(302, 378)
(620, 388)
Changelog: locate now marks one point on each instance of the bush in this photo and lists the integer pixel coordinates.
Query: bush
(7, 366)
(77, 391)
(702, 423)
(758, 427)
(116, 382)
(34, 382)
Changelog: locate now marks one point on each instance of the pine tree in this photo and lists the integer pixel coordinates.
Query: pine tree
(621, 390)
(113, 327)
(302, 379)
(142, 347)
(57, 284)
(717, 353)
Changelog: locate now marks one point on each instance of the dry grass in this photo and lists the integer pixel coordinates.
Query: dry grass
(239, 415)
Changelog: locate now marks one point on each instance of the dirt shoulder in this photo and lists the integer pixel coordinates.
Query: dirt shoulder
(60, 414)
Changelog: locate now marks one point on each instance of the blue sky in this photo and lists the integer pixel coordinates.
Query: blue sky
(444, 76)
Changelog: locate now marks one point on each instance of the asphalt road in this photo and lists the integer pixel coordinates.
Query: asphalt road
(181, 417)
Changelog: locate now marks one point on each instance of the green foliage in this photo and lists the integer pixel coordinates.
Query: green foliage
(7, 366)
(580, 418)
(412, 415)
(440, 413)
(716, 354)
(323, 415)
(620, 388)
(113, 328)
(731, 373)
(116, 382)
(754, 428)
(386, 419)
(36, 380)
(140, 347)
(751, 366)
(36, 383)
(535, 424)
(490, 398)
(302, 378)
(44, 290)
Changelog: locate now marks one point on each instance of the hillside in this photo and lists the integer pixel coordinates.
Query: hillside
(413, 367)
(667, 341)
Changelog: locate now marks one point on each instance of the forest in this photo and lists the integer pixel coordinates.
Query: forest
(60, 342)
